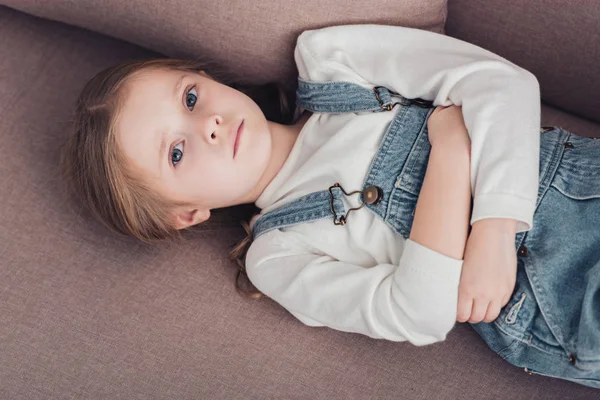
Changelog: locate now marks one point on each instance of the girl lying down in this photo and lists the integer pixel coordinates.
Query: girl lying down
(411, 188)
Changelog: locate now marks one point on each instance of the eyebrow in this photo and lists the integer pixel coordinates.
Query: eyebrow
(177, 86)
(162, 150)
(163, 139)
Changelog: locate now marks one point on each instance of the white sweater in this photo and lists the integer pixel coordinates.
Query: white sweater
(363, 277)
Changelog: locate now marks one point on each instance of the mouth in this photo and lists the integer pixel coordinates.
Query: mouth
(237, 138)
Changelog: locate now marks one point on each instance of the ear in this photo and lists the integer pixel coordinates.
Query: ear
(185, 218)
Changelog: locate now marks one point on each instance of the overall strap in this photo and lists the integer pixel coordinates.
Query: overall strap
(311, 207)
(342, 97)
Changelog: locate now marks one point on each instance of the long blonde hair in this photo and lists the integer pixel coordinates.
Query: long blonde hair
(95, 169)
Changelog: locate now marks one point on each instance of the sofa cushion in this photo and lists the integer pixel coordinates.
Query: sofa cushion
(85, 314)
(558, 41)
(254, 39)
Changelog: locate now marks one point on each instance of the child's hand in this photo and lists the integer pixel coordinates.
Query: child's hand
(489, 270)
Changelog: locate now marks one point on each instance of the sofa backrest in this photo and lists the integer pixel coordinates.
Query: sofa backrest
(558, 41)
(254, 40)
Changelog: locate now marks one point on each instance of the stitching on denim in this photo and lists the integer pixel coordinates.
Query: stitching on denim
(317, 89)
(411, 158)
(513, 312)
(550, 171)
(573, 197)
(527, 339)
(538, 294)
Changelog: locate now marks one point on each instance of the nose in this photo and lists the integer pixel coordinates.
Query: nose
(213, 134)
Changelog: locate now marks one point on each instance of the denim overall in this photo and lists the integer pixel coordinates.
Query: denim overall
(551, 325)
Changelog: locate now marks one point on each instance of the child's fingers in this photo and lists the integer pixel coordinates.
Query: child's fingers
(493, 311)
(479, 311)
(465, 305)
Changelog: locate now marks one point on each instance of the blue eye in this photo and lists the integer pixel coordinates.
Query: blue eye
(177, 154)
(191, 98)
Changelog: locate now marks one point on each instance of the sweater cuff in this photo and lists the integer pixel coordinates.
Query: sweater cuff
(504, 206)
(424, 260)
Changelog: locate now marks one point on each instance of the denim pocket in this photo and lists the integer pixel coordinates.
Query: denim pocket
(578, 175)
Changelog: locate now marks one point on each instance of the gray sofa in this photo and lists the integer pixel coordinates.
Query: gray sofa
(85, 314)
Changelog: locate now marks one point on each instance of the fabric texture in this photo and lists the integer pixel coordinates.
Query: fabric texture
(85, 314)
(254, 40)
(556, 40)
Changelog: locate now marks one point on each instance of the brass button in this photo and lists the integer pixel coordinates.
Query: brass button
(372, 194)
(569, 145)
(572, 358)
(523, 251)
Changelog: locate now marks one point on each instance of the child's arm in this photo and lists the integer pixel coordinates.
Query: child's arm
(442, 217)
(500, 100)
(414, 299)
(441, 220)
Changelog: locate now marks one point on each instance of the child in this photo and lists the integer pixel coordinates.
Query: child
(367, 223)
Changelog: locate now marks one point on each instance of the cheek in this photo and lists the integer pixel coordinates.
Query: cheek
(211, 174)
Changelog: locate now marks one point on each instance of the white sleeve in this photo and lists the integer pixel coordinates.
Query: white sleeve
(500, 100)
(415, 300)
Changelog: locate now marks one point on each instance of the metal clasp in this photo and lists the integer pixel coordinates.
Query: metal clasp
(405, 102)
(343, 218)
(422, 103)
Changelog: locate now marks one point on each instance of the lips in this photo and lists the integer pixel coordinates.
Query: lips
(237, 135)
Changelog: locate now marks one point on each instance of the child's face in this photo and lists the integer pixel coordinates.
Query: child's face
(197, 121)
